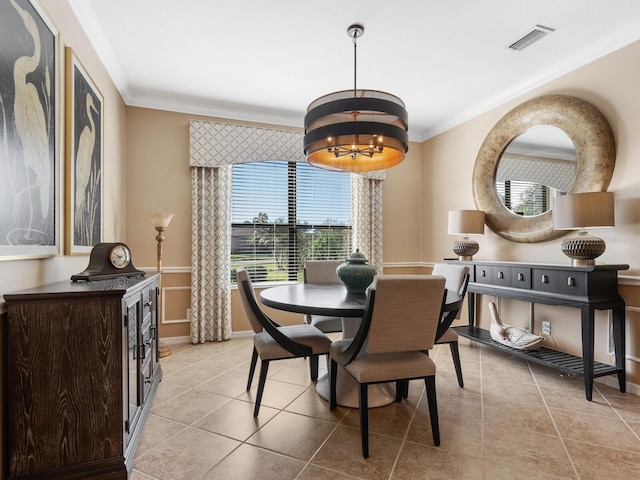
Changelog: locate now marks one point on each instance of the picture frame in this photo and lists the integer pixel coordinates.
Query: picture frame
(83, 159)
(30, 134)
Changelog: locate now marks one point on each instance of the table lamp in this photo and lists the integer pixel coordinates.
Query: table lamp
(466, 222)
(581, 211)
(160, 222)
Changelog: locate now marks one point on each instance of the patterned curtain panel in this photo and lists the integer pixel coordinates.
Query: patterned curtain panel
(213, 149)
(366, 202)
(210, 254)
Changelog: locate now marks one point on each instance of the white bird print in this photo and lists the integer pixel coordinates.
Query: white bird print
(86, 145)
(30, 120)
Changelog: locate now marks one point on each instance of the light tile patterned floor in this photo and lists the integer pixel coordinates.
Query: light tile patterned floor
(512, 420)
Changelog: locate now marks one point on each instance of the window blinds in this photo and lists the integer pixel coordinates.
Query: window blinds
(284, 213)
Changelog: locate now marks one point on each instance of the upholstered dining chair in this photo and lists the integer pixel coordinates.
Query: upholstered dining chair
(401, 316)
(322, 271)
(457, 280)
(272, 341)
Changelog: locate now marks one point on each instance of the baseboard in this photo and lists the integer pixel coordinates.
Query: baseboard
(174, 340)
(612, 381)
(185, 339)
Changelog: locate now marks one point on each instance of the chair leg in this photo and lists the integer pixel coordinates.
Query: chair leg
(455, 353)
(313, 366)
(264, 367)
(430, 383)
(333, 381)
(398, 390)
(252, 368)
(402, 390)
(363, 402)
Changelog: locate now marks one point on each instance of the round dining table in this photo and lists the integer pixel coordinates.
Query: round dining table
(332, 300)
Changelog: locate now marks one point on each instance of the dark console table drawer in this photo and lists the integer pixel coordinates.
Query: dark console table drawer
(520, 277)
(501, 276)
(483, 274)
(572, 283)
(545, 280)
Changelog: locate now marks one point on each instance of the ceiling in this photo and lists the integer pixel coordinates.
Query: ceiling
(265, 61)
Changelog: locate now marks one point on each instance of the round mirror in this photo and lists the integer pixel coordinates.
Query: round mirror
(585, 127)
(537, 165)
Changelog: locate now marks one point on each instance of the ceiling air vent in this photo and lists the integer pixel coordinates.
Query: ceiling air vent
(531, 37)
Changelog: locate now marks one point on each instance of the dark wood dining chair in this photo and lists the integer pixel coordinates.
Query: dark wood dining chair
(272, 341)
(400, 321)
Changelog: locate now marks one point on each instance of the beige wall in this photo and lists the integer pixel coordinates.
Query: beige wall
(611, 84)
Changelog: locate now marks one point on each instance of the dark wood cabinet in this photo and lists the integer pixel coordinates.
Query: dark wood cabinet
(589, 288)
(82, 371)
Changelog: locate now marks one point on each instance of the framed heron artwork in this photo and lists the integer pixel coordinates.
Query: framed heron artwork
(30, 173)
(84, 163)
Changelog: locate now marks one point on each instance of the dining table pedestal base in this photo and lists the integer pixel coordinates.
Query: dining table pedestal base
(379, 395)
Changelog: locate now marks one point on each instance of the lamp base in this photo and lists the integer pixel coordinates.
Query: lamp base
(163, 350)
(465, 249)
(583, 249)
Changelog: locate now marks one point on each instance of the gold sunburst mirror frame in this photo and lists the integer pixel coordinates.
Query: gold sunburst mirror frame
(592, 137)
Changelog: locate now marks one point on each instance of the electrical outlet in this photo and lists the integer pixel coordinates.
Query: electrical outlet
(546, 328)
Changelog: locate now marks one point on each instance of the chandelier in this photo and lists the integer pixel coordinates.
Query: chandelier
(356, 130)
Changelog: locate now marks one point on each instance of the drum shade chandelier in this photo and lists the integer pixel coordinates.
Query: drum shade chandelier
(356, 130)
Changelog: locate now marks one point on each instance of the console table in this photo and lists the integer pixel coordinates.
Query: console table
(589, 288)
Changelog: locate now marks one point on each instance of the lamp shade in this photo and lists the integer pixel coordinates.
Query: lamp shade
(467, 222)
(583, 210)
(160, 220)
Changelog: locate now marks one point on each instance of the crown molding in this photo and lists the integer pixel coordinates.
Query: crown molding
(89, 23)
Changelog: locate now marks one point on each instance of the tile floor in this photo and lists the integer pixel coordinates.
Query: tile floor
(512, 420)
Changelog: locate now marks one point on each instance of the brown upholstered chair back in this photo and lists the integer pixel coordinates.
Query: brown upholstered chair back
(406, 313)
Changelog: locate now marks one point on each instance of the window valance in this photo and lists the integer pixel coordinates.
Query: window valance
(214, 144)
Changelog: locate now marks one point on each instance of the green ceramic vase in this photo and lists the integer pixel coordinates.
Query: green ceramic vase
(356, 274)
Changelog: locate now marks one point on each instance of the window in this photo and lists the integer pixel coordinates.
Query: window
(284, 213)
(526, 198)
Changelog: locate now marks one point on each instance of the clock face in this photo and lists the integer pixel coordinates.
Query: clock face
(120, 256)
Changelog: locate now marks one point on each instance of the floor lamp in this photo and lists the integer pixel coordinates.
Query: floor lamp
(160, 222)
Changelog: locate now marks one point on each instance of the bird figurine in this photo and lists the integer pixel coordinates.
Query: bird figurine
(512, 336)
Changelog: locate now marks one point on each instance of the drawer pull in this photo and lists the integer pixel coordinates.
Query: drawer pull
(483, 273)
(500, 275)
(571, 282)
(520, 277)
(545, 279)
